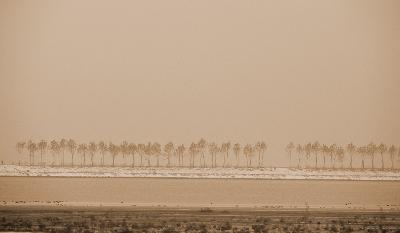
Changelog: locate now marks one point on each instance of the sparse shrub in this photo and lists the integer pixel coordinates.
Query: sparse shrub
(169, 230)
(203, 228)
(192, 227)
(226, 226)
(258, 228)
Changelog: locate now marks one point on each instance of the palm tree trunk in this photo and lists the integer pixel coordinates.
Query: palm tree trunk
(72, 160)
(351, 161)
(383, 164)
(391, 159)
(237, 159)
(298, 163)
(316, 161)
(373, 158)
(133, 160)
(362, 163)
(113, 160)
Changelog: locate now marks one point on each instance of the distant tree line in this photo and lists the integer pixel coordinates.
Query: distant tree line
(330, 156)
(197, 154)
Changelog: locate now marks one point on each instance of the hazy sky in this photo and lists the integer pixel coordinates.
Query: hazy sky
(180, 70)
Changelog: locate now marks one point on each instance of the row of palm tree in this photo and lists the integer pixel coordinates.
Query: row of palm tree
(202, 150)
(336, 153)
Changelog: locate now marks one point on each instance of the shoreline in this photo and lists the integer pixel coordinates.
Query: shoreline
(200, 173)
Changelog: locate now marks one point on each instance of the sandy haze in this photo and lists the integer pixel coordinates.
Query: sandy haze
(180, 70)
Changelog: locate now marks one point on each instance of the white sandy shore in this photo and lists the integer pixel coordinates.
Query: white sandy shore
(231, 173)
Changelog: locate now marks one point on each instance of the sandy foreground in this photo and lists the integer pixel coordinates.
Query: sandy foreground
(215, 173)
(124, 205)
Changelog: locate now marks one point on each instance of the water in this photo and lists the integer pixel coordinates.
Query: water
(201, 192)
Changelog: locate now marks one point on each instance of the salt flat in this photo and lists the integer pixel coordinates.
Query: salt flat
(214, 173)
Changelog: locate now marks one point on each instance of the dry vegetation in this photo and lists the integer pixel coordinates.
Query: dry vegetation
(201, 221)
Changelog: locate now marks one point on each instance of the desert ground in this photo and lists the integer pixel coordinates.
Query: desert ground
(202, 220)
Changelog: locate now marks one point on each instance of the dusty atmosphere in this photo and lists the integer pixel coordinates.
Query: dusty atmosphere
(199, 116)
(179, 70)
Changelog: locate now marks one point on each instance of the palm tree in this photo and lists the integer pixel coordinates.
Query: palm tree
(156, 150)
(32, 148)
(140, 148)
(124, 150)
(180, 151)
(351, 148)
(263, 149)
(42, 146)
(316, 148)
(55, 150)
(213, 148)
(148, 153)
(362, 151)
(371, 149)
(114, 150)
(248, 150)
(102, 147)
(192, 151)
(289, 149)
(132, 150)
(307, 149)
(201, 146)
(258, 149)
(169, 150)
(340, 155)
(92, 151)
(392, 151)
(299, 150)
(82, 149)
(332, 152)
(63, 146)
(20, 148)
(236, 150)
(382, 148)
(71, 145)
(225, 147)
(325, 151)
